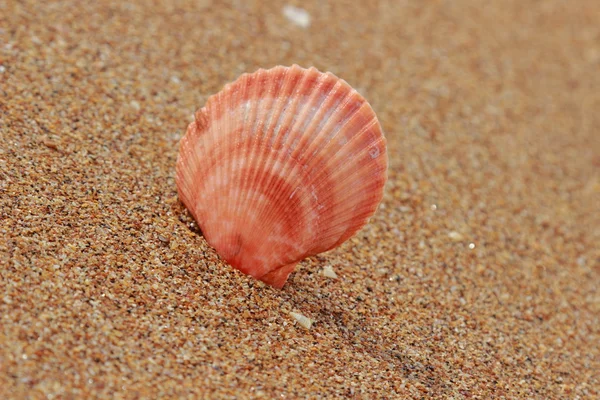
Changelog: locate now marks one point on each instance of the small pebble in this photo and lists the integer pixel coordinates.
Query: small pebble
(455, 236)
(297, 15)
(329, 272)
(305, 322)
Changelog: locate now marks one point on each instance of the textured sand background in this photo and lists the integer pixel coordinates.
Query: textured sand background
(477, 278)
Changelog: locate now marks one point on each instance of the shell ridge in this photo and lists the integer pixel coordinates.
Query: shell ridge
(286, 207)
(182, 190)
(324, 155)
(275, 159)
(353, 149)
(238, 91)
(240, 156)
(287, 85)
(292, 115)
(332, 103)
(323, 150)
(249, 138)
(361, 216)
(371, 192)
(295, 164)
(343, 175)
(339, 230)
(339, 155)
(331, 96)
(324, 132)
(242, 199)
(201, 120)
(330, 130)
(207, 168)
(186, 165)
(281, 134)
(259, 151)
(306, 113)
(339, 126)
(274, 242)
(223, 172)
(271, 214)
(353, 206)
(198, 131)
(299, 115)
(310, 134)
(313, 102)
(291, 83)
(264, 150)
(293, 252)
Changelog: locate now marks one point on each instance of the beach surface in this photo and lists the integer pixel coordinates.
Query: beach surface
(477, 277)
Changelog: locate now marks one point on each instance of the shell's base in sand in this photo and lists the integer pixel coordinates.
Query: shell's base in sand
(278, 277)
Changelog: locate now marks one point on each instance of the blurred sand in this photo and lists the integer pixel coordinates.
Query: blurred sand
(477, 278)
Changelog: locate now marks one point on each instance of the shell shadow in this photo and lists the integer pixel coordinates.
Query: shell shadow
(358, 332)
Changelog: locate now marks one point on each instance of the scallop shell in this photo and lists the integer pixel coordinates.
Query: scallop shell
(280, 165)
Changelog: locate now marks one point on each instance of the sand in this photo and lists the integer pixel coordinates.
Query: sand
(477, 278)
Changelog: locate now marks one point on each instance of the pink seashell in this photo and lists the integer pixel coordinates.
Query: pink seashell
(280, 165)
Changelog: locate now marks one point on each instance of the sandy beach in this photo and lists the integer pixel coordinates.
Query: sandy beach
(477, 277)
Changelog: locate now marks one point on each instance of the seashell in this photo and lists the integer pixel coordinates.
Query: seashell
(280, 165)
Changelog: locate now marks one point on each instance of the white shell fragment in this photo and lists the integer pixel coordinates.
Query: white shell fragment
(297, 16)
(329, 272)
(455, 236)
(305, 322)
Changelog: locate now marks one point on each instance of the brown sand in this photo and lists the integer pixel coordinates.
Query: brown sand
(477, 278)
